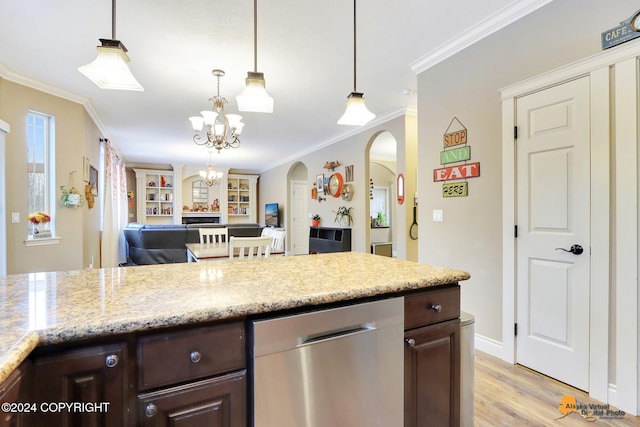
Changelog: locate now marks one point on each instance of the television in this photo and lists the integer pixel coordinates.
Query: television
(271, 215)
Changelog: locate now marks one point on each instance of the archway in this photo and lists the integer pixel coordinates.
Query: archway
(382, 171)
(297, 223)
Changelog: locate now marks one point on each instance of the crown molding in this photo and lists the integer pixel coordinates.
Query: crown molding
(10, 75)
(378, 120)
(507, 15)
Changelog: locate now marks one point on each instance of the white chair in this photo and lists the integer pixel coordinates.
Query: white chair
(278, 240)
(278, 235)
(214, 235)
(250, 247)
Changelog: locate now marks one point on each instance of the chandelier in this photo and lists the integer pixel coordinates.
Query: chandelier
(223, 130)
(210, 176)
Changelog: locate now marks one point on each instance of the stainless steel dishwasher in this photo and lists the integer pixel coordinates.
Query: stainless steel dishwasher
(340, 367)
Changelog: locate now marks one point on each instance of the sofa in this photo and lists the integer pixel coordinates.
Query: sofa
(164, 244)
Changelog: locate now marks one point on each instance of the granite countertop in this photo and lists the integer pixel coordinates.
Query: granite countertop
(47, 308)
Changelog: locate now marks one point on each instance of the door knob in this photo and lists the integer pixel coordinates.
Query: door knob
(575, 249)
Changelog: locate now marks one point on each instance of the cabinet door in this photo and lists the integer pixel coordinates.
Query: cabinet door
(432, 375)
(93, 379)
(215, 402)
(13, 390)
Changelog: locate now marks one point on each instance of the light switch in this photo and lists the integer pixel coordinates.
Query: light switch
(15, 217)
(437, 215)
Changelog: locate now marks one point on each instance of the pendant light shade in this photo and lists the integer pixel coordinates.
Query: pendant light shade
(110, 70)
(254, 97)
(357, 113)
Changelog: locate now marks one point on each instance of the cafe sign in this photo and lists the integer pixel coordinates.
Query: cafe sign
(627, 30)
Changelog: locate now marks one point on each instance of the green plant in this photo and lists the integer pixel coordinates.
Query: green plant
(381, 219)
(343, 213)
(71, 197)
(316, 217)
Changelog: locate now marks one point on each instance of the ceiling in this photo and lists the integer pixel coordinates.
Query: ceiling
(305, 50)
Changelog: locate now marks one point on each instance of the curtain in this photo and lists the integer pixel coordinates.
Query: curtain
(115, 209)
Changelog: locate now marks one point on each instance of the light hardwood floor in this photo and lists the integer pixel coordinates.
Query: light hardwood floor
(511, 395)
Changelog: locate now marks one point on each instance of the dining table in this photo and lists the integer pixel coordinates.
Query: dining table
(197, 252)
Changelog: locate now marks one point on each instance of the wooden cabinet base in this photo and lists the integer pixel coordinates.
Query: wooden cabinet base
(432, 375)
(215, 402)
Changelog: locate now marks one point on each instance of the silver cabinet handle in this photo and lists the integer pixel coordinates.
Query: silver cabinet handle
(111, 361)
(150, 410)
(195, 356)
(437, 308)
(410, 342)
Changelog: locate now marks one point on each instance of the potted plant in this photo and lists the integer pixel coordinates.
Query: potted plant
(71, 197)
(315, 220)
(36, 219)
(343, 215)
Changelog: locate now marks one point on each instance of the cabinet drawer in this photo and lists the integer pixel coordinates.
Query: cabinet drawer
(180, 356)
(433, 306)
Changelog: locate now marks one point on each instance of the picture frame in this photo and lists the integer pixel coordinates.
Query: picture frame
(320, 183)
(85, 169)
(93, 180)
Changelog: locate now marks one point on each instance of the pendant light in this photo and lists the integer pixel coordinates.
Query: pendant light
(110, 70)
(254, 97)
(356, 113)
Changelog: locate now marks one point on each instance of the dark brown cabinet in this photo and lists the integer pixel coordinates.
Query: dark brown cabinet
(432, 358)
(193, 377)
(215, 402)
(93, 379)
(14, 391)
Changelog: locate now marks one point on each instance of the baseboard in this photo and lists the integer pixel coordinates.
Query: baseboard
(488, 345)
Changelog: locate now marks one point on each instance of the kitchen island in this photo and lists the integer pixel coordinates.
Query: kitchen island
(46, 310)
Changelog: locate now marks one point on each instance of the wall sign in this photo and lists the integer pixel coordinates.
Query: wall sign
(627, 30)
(455, 150)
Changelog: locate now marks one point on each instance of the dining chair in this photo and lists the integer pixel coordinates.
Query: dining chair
(250, 247)
(278, 235)
(214, 235)
(278, 240)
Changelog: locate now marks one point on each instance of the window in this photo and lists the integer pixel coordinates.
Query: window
(40, 171)
(378, 206)
(200, 192)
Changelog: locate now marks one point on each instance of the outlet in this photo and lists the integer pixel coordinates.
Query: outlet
(437, 215)
(15, 217)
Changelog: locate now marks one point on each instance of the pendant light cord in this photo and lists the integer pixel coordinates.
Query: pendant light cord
(113, 20)
(354, 45)
(255, 35)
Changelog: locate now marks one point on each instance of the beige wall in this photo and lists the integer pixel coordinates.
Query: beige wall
(76, 137)
(351, 151)
(467, 86)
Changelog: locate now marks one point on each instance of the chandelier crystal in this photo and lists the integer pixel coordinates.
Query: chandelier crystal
(223, 130)
(210, 176)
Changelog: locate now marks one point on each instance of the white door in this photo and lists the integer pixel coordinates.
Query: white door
(299, 220)
(553, 214)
